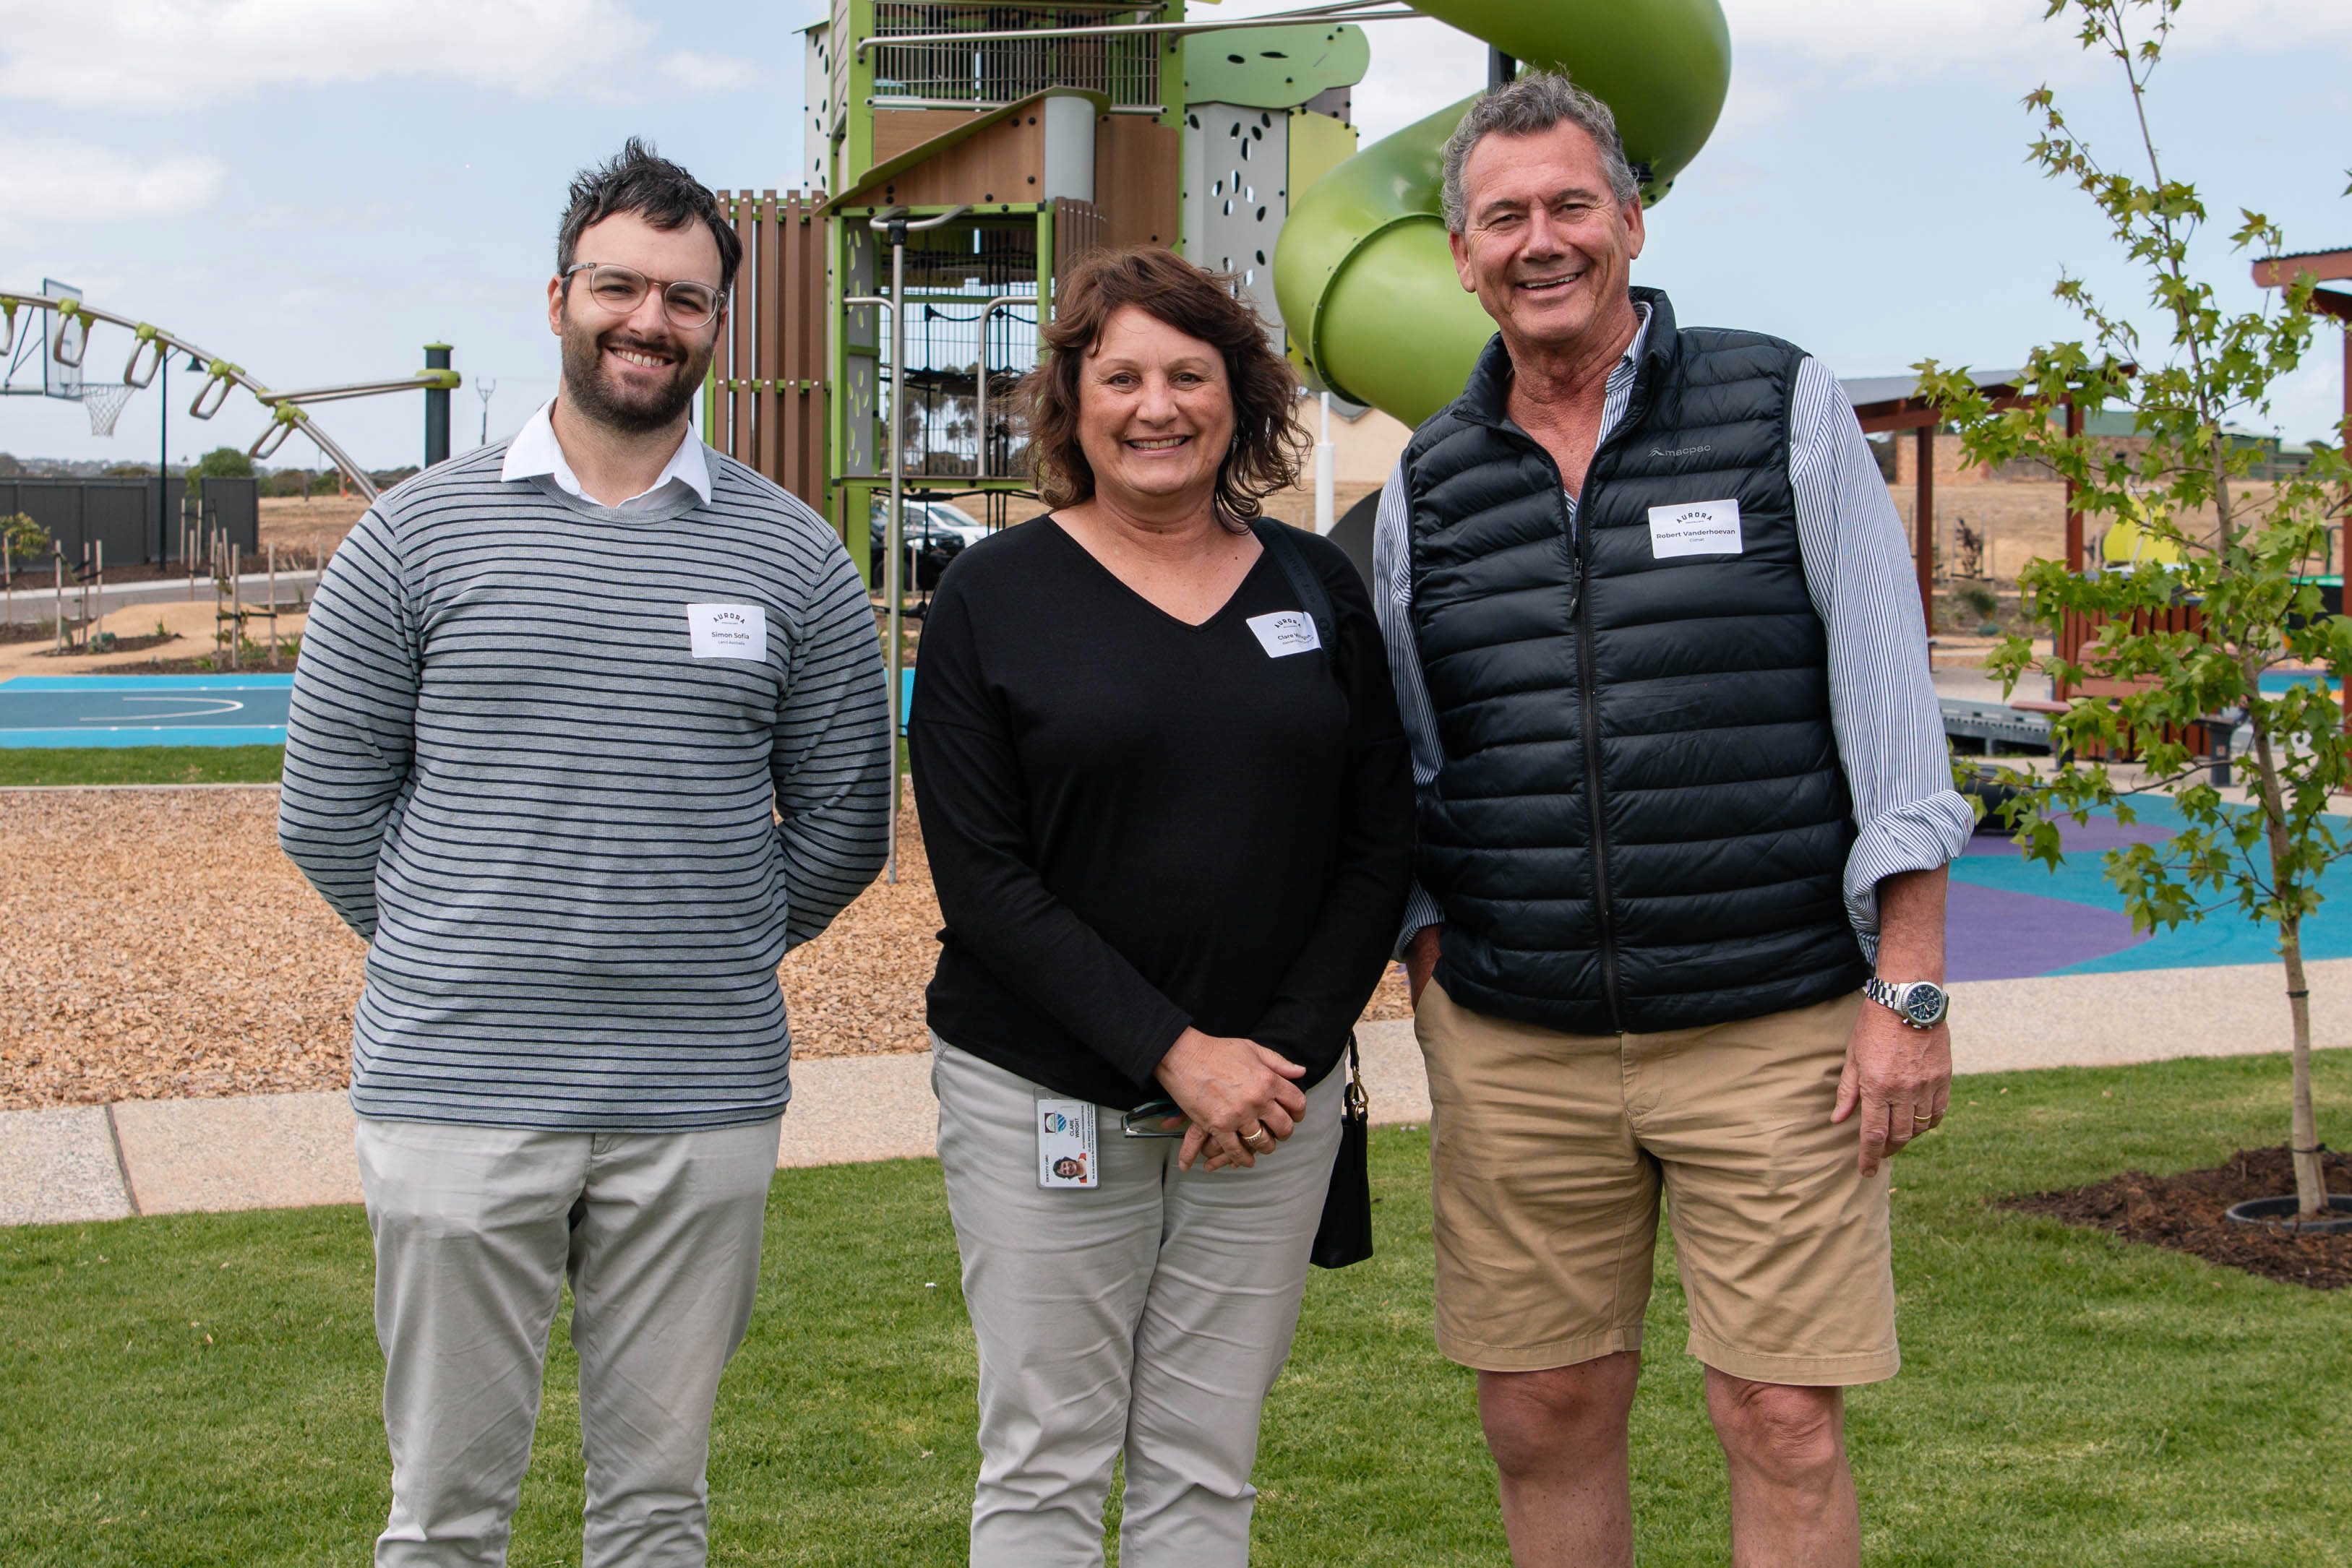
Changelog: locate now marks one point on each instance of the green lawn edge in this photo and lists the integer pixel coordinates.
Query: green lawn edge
(72, 765)
(203, 1389)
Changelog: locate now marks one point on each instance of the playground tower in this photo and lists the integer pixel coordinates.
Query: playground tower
(1036, 133)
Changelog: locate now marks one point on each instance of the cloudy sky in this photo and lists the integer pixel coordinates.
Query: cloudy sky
(315, 188)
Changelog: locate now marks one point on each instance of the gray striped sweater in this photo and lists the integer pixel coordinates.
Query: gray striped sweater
(532, 758)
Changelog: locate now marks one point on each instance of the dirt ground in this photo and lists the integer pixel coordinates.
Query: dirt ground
(2026, 519)
(307, 529)
(155, 944)
(2185, 1212)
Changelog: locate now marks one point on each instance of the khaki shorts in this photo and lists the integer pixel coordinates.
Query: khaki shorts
(1550, 1152)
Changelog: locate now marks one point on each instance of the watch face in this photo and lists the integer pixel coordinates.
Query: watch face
(1926, 1004)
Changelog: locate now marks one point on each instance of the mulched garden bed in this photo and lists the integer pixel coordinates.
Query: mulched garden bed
(2185, 1212)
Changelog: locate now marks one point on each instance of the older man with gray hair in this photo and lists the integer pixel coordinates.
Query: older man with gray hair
(1685, 811)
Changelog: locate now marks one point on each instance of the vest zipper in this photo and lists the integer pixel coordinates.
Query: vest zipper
(1593, 802)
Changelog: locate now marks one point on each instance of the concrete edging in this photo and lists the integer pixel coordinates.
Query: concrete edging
(82, 1163)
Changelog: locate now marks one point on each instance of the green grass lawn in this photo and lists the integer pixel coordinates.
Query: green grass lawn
(141, 764)
(202, 1389)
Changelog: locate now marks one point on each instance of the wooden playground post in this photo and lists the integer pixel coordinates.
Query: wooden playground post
(61, 556)
(273, 607)
(237, 613)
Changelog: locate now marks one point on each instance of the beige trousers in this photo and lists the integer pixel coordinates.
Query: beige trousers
(1146, 1317)
(476, 1229)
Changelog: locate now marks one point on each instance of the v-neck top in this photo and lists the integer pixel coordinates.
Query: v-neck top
(1136, 824)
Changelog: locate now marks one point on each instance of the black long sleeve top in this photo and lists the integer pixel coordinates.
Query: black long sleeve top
(1135, 825)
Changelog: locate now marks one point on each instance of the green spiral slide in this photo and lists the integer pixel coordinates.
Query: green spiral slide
(1362, 273)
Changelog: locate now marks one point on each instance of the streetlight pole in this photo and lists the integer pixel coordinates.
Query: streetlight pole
(483, 389)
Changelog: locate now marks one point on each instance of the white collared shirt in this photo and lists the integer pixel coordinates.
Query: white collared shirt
(535, 452)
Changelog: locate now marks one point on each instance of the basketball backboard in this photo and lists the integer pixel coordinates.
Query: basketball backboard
(57, 380)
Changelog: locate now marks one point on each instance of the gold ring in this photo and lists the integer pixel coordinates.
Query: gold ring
(1918, 1121)
(1250, 1140)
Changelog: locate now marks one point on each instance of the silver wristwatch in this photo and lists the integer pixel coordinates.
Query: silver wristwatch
(1919, 1003)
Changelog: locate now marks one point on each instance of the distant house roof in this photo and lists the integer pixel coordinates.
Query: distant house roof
(1893, 403)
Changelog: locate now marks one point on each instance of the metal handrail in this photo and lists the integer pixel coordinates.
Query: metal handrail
(980, 365)
(1371, 11)
(894, 223)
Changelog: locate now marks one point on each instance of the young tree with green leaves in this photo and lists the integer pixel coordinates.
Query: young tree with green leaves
(2243, 554)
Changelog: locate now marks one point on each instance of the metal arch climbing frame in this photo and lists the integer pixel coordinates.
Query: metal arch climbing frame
(151, 344)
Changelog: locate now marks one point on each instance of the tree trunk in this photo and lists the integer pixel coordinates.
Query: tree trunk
(2303, 1123)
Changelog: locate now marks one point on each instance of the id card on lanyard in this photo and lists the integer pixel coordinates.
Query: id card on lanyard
(1067, 1154)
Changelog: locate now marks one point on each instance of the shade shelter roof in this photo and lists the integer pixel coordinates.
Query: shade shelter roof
(1893, 403)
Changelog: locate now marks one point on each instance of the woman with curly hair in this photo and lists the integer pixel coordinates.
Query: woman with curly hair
(1169, 810)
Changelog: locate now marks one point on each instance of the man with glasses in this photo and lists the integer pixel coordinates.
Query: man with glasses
(554, 697)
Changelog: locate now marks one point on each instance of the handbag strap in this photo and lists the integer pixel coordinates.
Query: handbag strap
(1307, 587)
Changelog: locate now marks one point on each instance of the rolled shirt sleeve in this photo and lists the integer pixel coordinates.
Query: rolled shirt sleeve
(1883, 706)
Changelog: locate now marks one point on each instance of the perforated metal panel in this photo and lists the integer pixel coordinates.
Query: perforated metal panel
(819, 109)
(1237, 172)
(861, 331)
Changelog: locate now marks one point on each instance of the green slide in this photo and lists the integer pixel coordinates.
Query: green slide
(1363, 275)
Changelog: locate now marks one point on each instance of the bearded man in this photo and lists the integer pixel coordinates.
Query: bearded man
(553, 697)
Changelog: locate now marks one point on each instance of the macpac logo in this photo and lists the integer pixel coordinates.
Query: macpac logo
(1680, 451)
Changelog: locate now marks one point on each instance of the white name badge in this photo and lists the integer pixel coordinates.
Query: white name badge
(1695, 527)
(1065, 1144)
(1285, 631)
(727, 631)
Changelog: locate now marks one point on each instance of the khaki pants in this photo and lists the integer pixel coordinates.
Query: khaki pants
(1550, 1152)
(476, 1229)
(1147, 1316)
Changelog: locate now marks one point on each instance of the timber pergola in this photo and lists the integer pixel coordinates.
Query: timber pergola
(1893, 404)
(2320, 267)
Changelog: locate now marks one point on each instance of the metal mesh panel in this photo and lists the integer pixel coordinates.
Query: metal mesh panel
(995, 71)
(951, 273)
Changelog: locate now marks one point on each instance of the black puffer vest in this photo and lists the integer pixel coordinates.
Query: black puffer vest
(1640, 821)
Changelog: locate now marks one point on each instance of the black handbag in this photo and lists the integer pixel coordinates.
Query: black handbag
(1345, 1236)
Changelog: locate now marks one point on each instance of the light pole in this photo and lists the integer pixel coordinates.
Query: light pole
(483, 389)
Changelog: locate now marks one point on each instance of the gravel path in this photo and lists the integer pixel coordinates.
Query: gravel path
(155, 944)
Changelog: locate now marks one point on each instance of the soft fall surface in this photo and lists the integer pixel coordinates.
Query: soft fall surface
(203, 1389)
(155, 944)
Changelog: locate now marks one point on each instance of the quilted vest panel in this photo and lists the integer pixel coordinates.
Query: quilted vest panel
(1640, 821)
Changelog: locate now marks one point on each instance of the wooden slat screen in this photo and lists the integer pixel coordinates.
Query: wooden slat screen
(771, 365)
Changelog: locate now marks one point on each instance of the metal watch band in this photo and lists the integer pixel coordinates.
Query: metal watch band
(1897, 999)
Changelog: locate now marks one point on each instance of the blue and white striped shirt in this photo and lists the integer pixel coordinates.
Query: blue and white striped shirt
(1859, 570)
(538, 754)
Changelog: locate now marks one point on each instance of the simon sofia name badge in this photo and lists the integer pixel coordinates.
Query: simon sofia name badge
(727, 631)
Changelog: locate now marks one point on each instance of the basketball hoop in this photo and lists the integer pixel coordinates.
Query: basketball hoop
(104, 399)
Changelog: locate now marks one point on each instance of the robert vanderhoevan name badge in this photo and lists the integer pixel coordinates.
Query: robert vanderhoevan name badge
(1695, 527)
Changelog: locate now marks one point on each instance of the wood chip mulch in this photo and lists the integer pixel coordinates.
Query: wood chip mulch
(2185, 1212)
(155, 944)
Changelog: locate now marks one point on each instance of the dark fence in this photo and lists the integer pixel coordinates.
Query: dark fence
(122, 514)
